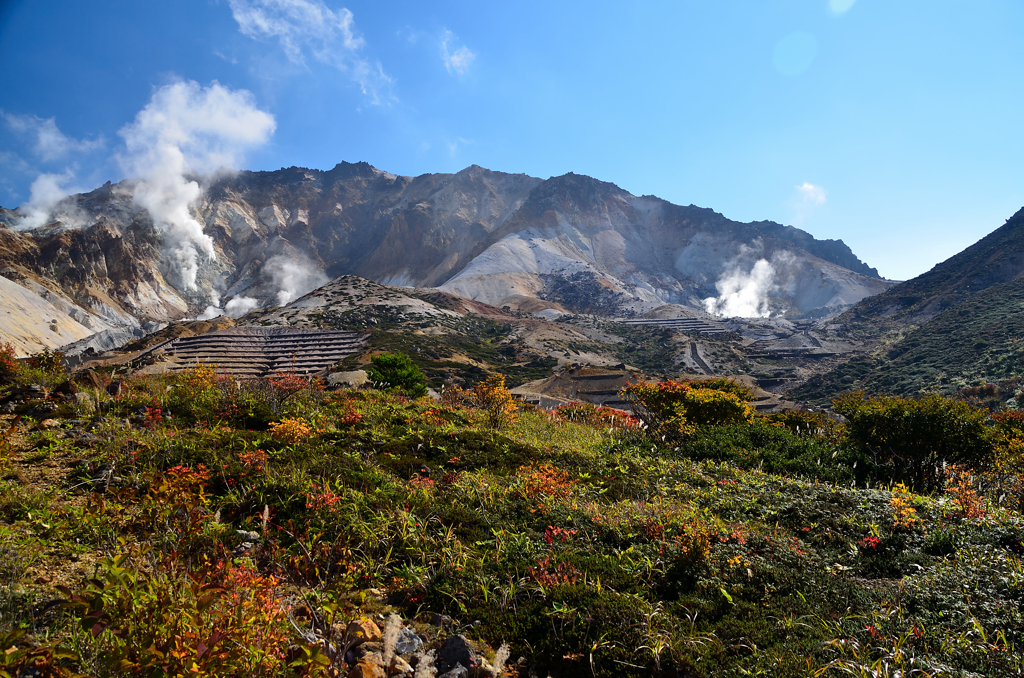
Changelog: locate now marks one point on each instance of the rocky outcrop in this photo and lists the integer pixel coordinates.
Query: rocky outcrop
(569, 243)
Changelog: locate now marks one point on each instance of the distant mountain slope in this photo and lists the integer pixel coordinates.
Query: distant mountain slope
(569, 243)
(959, 324)
(996, 258)
(980, 340)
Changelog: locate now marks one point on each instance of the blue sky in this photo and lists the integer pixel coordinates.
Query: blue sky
(896, 126)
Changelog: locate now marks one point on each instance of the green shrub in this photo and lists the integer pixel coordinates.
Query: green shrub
(49, 361)
(911, 440)
(774, 449)
(676, 408)
(396, 372)
(194, 394)
(941, 543)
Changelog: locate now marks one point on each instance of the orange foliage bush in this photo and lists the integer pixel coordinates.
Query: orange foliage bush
(543, 483)
(598, 417)
(221, 620)
(904, 514)
(960, 486)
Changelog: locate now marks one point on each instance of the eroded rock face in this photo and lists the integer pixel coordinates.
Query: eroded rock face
(571, 243)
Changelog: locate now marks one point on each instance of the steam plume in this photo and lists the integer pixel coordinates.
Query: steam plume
(186, 129)
(750, 280)
(744, 295)
(47, 191)
(293, 276)
(239, 306)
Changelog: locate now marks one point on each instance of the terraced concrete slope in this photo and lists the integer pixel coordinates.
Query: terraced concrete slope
(258, 351)
(565, 244)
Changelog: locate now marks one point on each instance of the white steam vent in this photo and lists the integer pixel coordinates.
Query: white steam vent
(186, 129)
(751, 284)
(744, 294)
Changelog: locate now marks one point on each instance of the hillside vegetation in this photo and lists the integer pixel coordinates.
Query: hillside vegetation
(197, 525)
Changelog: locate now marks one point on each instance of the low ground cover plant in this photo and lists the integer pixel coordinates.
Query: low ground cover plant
(242, 530)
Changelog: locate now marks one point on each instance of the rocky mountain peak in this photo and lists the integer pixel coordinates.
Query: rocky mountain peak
(569, 243)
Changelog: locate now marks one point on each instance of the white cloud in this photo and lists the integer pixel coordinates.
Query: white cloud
(304, 27)
(809, 197)
(459, 60)
(50, 143)
(455, 146)
(811, 194)
(183, 130)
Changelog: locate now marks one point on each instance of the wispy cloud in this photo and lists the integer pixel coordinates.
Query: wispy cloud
(455, 146)
(809, 197)
(310, 27)
(230, 59)
(456, 59)
(49, 143)
(13, 161)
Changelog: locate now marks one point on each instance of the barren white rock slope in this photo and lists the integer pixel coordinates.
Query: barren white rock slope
(34, 320)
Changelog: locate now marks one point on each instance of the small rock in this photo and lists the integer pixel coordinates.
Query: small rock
(399, 667)
(68, 388)
(362, 631)
(242, 549)
(8, 407)
(116, 388)
(366, 670)
(94, 380)
(459, 671)
(353, 379)
(41, 410)
(248, 536)
(408, 642)
(370, 649)
(441, 620)
(457, 650)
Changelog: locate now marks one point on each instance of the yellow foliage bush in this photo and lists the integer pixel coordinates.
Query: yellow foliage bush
(491, 396)
(291, 431)
(904, 515)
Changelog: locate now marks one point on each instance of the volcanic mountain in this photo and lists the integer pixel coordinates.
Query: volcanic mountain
(566, 244)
